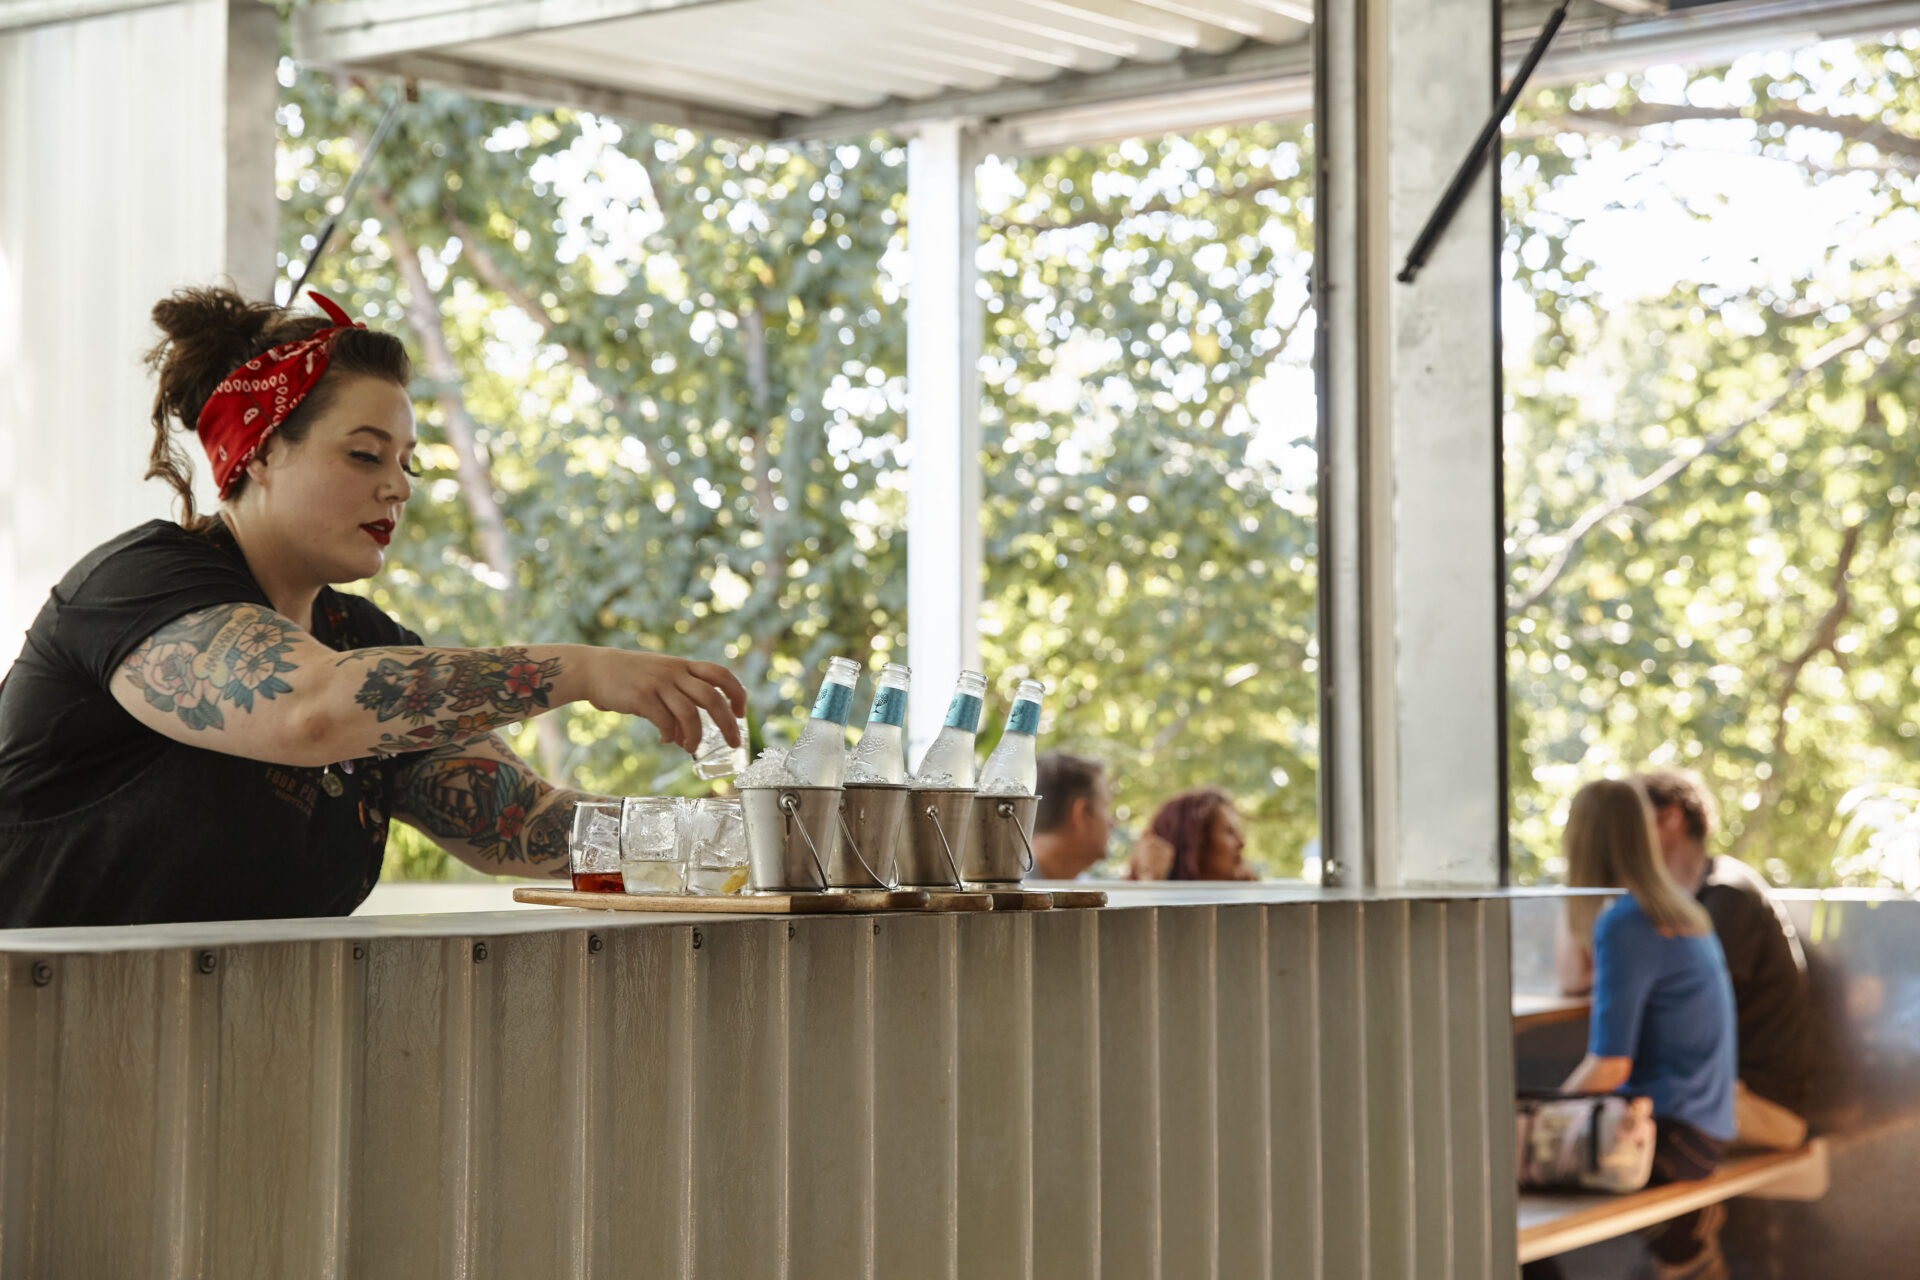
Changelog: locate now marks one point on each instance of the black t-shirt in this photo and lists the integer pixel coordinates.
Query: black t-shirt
(105, 821)
(1769, 981)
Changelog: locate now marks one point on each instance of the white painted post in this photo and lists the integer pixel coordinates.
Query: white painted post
(1413, 639)
(943, 422)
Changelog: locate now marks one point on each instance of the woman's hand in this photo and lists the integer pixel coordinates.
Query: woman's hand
(668, 691)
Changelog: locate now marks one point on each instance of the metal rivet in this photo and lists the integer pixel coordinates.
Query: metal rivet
(696, 939)
(479, 952)
(359, 953)
(789, 933)
(876, 928)
(593, 942)
(205, 962)
(42, 974)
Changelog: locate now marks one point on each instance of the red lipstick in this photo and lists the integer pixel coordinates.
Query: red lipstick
(381, 531)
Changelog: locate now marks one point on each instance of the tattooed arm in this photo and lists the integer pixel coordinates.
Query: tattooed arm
(481, 803)
(242, 679)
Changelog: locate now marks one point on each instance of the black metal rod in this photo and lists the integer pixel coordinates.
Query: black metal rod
(1470, 168)
(346, 197)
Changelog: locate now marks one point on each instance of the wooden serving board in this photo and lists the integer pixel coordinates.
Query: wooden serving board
(733, 903)
(1020, 899)
(1067, 898)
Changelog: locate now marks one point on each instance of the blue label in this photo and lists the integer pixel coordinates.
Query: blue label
(963, 713)
(834, 702)
(1024, 718)
(889, 707)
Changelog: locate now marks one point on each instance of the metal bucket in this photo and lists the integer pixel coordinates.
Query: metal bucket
(1000, 840)
(791, 836)
(936, 836)
(870, 821)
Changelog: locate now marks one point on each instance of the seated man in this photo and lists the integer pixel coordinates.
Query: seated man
(1075, 816)
(1764, 959)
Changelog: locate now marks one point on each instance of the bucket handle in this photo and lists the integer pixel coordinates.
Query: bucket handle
(846, 833)
(933, 812)
(790, 805)
(1005, 810)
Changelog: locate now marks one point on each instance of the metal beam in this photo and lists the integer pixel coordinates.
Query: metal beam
(359, 30)
(1128, 82)
(18, 14)
(508, 84)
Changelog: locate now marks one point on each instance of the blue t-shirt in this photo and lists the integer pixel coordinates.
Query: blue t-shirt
(1666, 1003)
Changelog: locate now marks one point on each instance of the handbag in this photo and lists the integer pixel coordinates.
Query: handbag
(1583, 1142)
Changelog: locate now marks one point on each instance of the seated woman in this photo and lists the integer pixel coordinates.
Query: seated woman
(1663, 1021)
(1194, 836)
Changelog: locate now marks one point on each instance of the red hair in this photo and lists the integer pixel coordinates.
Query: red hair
(1185, 822)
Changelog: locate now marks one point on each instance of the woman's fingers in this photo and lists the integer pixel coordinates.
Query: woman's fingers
(712, 673)
(686, 715)
(651, 705)
(716, 705)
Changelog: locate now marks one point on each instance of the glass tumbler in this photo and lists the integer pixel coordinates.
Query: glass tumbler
(649, 851)
(713, 845)
(593, 849)
(713, 758)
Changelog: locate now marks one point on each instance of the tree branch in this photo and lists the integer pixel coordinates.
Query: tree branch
(1679, 462)
(1875, 134)
(422, 307)
(487, 268)
(1110, 218)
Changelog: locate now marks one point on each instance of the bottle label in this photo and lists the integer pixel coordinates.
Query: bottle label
(889, 707)
(963, 713)
(834, 702)
(1024, 718)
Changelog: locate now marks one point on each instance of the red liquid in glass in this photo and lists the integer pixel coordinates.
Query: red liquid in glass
(598, 882)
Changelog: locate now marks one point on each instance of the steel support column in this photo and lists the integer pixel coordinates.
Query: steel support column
(943, 421)
(1414, 779)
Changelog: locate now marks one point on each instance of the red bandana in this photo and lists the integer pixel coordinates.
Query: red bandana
(256, 398)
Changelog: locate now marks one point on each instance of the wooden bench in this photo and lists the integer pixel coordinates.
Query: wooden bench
(1554, 1223)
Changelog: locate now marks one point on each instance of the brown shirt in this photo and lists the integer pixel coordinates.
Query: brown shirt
(1769, 973)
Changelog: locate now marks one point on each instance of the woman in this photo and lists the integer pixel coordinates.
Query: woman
(200, 727)
(1663, 1018)
(1194, 836)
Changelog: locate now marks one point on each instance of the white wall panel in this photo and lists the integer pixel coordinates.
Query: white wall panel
(118, 172)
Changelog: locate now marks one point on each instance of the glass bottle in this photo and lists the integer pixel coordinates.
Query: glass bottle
(949, 761)
(1012, 769)
(819, 755)
(880, 757)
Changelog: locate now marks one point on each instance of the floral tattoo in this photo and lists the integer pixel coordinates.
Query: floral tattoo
(481, 795)
(481, 688)
(228, 655)
(202, 665)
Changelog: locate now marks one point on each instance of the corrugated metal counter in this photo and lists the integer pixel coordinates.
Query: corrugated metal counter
(1229, 1081)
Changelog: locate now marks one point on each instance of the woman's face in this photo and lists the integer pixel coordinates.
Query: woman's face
(1220, 855)
(334, 500)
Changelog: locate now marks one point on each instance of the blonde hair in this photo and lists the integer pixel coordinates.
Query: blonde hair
(1610, 843)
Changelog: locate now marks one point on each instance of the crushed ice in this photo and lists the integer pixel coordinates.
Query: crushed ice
(770, 770)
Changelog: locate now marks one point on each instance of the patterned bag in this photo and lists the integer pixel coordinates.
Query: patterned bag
(1583, 1142)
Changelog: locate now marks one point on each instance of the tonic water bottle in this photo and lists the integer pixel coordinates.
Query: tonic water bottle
(949, 761)
(1012, 769)
(881, 754)
(819, 755)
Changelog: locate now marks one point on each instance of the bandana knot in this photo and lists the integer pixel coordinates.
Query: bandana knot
(251, 402)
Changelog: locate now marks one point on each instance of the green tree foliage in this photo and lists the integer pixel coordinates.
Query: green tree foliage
(661, 402)
(1710, 488)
